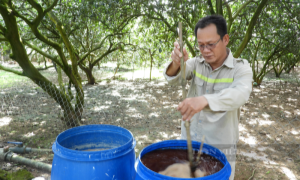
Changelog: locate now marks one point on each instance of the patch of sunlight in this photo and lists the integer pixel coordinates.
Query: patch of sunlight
(293, 100)
(99, 108)
(174, 106)
(42, 123)
(29, 134)
(118, 120)
(265, 122)
(275, 106)
(242, 127)
(252, 121)
(269, 136)
(164, 135)
(143, 74)
(115, 93)
(256, 90)
(294, 132)
(251, 140)
(177, 135)
(265, 115)
(131, 109)
(287, 112)
(5, 121)
(265, 148)
(129, 98)
(142, 100)
(153, 114)
(141, 137)
(257, 157)
(108, 102)
(92, 87)
(167, 107)
(288, 173)
(162, 83)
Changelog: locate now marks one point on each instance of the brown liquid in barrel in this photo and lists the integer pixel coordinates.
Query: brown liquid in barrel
(159, 160)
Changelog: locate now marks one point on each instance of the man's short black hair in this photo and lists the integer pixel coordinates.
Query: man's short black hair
(217, 20)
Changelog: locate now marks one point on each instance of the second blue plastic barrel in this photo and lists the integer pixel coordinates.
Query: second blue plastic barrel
(115, 160)
(143, 173)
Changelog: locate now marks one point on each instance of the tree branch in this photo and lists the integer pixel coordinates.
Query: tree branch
(104, 55)
(54, 58)
(3, 39)
(230, 19)
(241, 8)
(219, 7)
(250, 28)
(50, 7)
(16, 13)
(12, 71)
(2, 28)
(211, 8)
(73, 55)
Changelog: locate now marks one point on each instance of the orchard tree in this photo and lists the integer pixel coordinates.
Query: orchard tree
(107, 26)
(31, 15)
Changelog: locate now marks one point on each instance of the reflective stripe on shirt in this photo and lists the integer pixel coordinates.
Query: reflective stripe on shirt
(209, 80)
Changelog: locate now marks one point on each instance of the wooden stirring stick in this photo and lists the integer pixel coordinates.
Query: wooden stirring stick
(183, 84)
(199, 152)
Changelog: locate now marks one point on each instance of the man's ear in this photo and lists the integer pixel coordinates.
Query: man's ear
(226, 39)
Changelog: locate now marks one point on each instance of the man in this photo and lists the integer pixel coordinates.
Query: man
(220, 85)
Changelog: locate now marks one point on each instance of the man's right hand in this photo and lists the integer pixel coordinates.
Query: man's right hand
(175, 56)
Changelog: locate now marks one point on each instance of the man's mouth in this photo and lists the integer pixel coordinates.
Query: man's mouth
(208, 56)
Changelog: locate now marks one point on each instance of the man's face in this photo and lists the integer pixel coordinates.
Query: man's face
(214, 51)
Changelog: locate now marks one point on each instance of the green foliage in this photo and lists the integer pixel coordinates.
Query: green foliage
(103, 31)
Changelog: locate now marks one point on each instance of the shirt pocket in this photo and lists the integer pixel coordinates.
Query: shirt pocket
(220, 86)
(199, 87)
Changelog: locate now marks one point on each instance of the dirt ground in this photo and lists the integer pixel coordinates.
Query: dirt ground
(269, 146)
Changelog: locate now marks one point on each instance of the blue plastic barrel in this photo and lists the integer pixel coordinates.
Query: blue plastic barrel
(143, 173)
(113, 159)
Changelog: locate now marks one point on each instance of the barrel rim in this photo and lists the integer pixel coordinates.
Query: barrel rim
(140, 167)
(76, 155)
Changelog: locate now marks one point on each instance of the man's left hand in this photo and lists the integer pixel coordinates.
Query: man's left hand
(190, 106)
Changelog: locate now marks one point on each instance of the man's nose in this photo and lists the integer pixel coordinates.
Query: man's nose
(206, 49)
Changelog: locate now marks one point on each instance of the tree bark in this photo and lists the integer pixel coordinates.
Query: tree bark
(89, 73)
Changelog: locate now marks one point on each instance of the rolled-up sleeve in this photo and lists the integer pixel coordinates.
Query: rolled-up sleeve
(236, 94)
(175, 80)
(171, 79)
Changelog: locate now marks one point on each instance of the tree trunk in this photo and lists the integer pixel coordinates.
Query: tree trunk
(289, 69)
(151, 63)
(89, 73)
(277, 74)
(45, 63)
(90, 76)
(117, 68)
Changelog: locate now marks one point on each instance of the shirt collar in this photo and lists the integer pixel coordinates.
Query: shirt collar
(228, 61)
